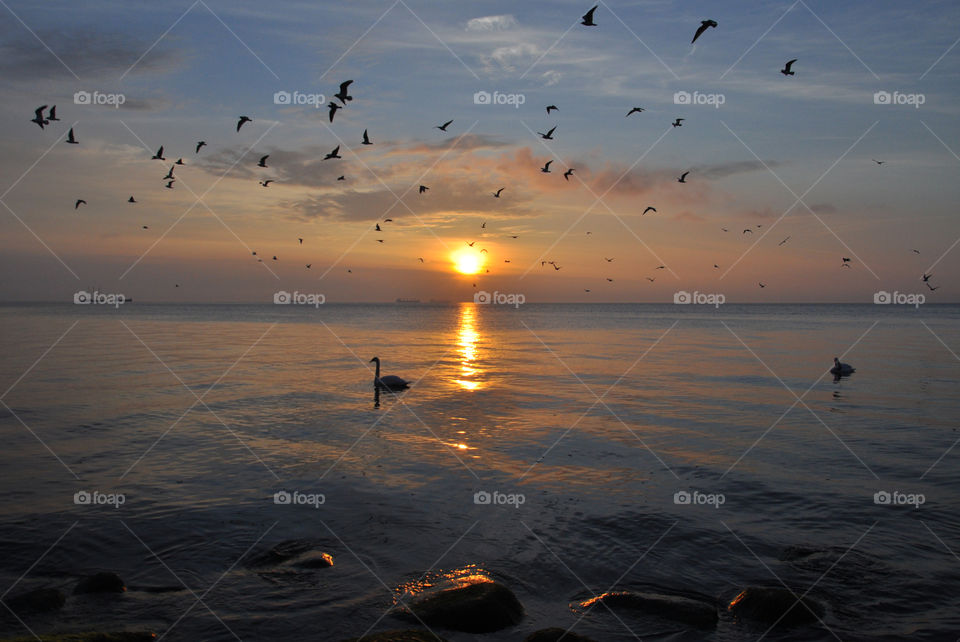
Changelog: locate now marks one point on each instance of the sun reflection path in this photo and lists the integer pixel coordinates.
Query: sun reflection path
(467, 338)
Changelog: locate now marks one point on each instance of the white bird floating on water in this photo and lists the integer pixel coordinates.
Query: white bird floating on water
(841, 368)
(389, 382)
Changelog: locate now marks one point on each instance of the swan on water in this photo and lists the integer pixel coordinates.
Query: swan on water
(841, 368)
(389, 382)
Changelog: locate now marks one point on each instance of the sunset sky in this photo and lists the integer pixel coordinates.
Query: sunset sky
(786, 156)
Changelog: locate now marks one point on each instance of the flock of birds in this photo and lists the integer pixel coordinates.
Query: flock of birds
(344, 97)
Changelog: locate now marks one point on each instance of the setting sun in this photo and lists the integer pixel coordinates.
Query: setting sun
(467, 261)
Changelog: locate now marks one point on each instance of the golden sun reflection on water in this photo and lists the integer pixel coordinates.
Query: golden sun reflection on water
(467, 339)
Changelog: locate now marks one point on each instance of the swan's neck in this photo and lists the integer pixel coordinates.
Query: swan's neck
(376, 377)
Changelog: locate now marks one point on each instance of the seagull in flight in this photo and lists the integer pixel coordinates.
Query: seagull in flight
(608, 260)
(444, 126)
(546, 168)
(200, 143)
(932, 288)
(787, 71)
(588, 18)
(169, 185)
(333, 109)
(334, 154)
(762, 285)
(748, 230)
(243, 120)
(683, 177)
(704, 25)
(38, 116)
(342, 94)
(783, 241)
(71, 139)
(548, 135)
(263, 161)
(678, 122)
(635, 109)
(366, 139)
(878, 162)
(552, 108)
(52, 116)
(423, 188)
(131, 200)
(179, 162)
(80, 200)
(925, 277)
(567, 174)
(158, 155)
(169, 176)
(651, 279)
(267, 182)
(649, 209)
(497, 194)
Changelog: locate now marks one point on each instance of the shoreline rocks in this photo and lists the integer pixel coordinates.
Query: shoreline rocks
(767, 605)
(682, 609)
(481, 607)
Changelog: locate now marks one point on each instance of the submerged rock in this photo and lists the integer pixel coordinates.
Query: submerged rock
(100, 583)
(311, 559)
(687, 610)
(90, 636)
(555, 634)
(37, 601)
(297, 553)
(767, 605)
(399, 636)
(480, 607)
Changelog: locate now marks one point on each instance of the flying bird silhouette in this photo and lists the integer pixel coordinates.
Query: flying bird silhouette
(635, 110)
(704, 25)
(38, 116)
(588, 18)
(649, 209)
(267, 182)
(683, 177)
(52, 116)
(783, 241)
(169, 185)
(342, 94)
(567, 174)
(423, 188)
(678, 122)
(787, 71)
(131, 200)
(925, 277)
(878, 162)
(341, 178)
(179, 162)
(158, 155)
(762, 285)
(263, 161)
(243, 120)
(366, 139)
(444, 126)
(552, 108)
(80, 200)
(301, 240)
(608, 260)
(169, 176)
(200, 143)
(496, 195)
(334, 154)
(748, 230)
(333, 109)
(71, 139)
(932, 288)
(548, 135)
(546, 168)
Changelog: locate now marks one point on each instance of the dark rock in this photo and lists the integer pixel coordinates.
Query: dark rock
(297, 553)
(767, 605)
(555, 634)
(311, 559)
(399, 636)
(37, 601)
(481, 607)
(672, 607)
(100, 583)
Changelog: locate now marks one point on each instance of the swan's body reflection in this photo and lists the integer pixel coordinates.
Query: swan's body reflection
(467, 339)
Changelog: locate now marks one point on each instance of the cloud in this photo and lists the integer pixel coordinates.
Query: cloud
(491, 23)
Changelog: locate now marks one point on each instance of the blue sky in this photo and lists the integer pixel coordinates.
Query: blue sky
(188, 70)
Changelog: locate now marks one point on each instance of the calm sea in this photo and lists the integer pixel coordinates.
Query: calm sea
(588, 426)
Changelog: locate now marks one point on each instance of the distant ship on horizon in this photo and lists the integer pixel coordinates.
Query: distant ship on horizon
(406, 300)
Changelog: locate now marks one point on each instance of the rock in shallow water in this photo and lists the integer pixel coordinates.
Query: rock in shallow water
(399, 636)
(480, 607)
(555, 634)
(767, 605)
(36, 601)
(672, 607)
(100, 583)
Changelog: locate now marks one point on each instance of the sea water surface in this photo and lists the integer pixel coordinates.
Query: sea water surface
(588, 426)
